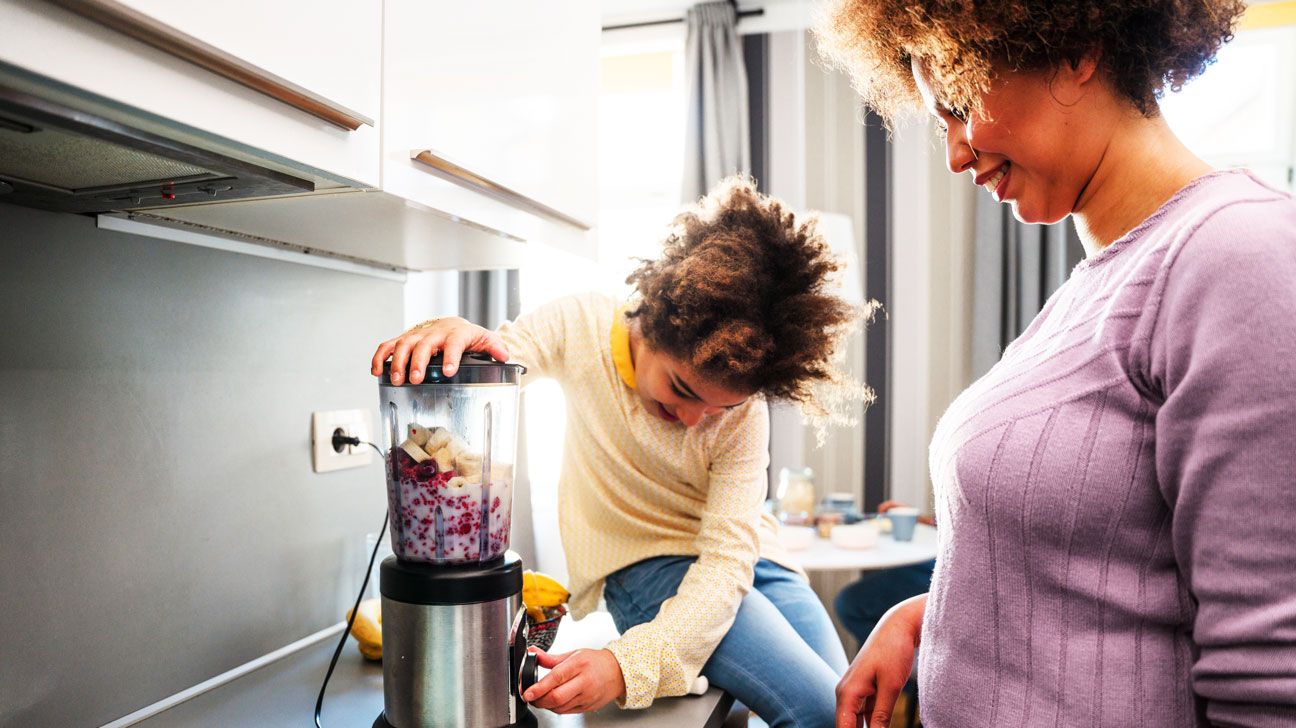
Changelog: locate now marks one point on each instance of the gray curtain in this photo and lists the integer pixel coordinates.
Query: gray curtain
(717, 140)
(1017, 267)
(489, 297)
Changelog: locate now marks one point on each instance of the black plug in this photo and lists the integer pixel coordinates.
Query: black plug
(341, 440)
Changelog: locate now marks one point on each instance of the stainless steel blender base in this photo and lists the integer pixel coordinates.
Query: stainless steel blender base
(528, 720)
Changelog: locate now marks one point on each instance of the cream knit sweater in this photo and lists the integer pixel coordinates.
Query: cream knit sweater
(634, 486)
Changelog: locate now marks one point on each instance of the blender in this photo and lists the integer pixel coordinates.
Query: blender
(454, 628)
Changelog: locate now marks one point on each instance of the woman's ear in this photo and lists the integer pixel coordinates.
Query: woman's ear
(1072, 78)
(1086, 67)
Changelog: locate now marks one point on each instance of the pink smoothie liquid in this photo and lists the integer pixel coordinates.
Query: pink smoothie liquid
(434, 522)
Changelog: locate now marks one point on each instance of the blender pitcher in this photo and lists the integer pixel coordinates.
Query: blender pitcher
(454, 628)
(450, 445)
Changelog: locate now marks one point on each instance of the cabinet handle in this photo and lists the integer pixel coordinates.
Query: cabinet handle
(444, 168)
(139, 26)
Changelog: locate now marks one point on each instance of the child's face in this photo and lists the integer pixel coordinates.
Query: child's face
(673, 391)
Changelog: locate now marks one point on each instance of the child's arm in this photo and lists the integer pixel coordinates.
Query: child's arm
(535, 340)
(663, 657)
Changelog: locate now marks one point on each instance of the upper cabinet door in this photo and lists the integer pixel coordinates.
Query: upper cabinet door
(297, 79)
(489, 112)
(327, 48)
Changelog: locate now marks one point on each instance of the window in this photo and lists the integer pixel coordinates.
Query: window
(1240, 112)
(641, 158)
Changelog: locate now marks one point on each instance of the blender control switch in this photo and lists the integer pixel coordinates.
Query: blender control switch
(527, 674)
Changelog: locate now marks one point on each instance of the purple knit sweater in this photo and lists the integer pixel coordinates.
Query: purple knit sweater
(1117, 496)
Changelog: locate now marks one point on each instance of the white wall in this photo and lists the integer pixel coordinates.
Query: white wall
(430, 294)
(161, 521)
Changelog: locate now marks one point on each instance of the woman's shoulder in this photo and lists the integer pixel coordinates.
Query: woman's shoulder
(1229, 274)
(1226, 250)
(1234, 218)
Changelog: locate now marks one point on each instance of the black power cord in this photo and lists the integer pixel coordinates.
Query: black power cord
(341, 440)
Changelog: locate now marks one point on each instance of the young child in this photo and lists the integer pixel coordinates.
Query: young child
(664, 470)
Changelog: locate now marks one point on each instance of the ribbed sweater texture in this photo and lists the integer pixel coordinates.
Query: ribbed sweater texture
(1117, 496)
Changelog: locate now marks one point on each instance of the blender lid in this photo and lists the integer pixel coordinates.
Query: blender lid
(474, 368)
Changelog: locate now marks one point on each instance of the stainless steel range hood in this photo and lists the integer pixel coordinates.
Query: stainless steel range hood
(56, 157)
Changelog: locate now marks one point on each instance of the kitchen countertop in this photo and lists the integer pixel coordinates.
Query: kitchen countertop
(283, 694)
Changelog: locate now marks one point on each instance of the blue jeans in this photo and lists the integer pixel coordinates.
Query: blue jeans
(781, 657)
(861, 604)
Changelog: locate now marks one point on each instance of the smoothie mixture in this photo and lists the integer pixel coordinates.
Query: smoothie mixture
(435, 494)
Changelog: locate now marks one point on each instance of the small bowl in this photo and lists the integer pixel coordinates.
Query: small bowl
(795, 538)
(855, 536)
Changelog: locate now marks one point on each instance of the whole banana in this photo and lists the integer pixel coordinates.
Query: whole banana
(540, 591)
(367, 628)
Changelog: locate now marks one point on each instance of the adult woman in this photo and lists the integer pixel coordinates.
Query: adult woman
(664, 469)
(1113, 495)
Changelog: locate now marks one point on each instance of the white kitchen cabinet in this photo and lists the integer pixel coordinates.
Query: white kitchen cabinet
(470, 127)
(322, 56)
(501, 97)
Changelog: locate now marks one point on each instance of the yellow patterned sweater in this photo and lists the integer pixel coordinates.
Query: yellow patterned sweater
(634, 486)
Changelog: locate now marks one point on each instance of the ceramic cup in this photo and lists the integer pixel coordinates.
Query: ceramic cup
(903, 520)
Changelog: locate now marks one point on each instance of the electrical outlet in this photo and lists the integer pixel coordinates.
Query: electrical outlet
(352, 422)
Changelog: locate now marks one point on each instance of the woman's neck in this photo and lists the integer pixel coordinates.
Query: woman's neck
(1143, 166)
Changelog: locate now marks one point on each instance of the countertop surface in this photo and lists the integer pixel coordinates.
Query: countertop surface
(283, 694)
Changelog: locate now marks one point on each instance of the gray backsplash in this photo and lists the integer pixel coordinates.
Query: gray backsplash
(159, 519)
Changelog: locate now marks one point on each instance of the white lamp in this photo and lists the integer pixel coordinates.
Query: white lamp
(839, 233)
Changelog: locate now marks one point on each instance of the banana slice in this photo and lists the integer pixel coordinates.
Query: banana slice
(458, 446)
(457, 482)
(438, 437)
(412, 449)
(469, 464)
(444, 459)
(419, 434)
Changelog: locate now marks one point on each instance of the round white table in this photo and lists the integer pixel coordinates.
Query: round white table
(822, 555)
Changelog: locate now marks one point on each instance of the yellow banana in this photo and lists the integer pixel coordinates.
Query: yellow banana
(367, 628)
(542, 590)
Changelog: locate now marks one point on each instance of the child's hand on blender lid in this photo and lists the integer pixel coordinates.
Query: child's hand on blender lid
(451, 336)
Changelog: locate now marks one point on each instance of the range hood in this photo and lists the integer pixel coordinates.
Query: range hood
(55, 157)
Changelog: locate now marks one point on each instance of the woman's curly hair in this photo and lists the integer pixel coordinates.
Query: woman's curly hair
(743, 293)
(1143, 46)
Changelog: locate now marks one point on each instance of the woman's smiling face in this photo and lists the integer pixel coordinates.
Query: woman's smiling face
(1033, 144)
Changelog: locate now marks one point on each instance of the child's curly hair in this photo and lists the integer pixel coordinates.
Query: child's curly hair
(1143, 45)
(742, 293)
